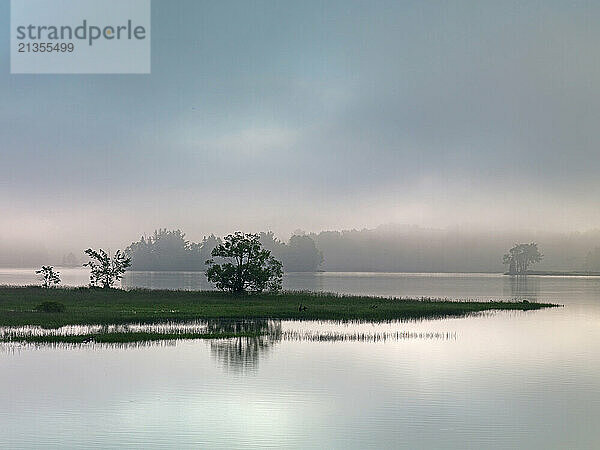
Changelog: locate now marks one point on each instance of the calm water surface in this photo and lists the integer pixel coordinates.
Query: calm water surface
(506, 380)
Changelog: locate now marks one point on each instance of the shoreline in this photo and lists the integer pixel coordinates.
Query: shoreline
(20, 307)
(555, 273)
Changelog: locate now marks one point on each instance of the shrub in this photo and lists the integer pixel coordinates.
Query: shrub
(51, 307)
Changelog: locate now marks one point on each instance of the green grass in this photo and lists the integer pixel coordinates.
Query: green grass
(103, 307)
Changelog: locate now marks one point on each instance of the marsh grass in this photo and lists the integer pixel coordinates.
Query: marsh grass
(112, 338)
(18, 307)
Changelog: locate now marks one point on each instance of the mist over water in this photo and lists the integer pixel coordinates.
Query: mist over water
(390, 248)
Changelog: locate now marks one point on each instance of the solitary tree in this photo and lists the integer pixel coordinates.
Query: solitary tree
(521, 256)
(104, 270)
(246, 266)
(48, 276)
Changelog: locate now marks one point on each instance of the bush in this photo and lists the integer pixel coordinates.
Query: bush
(51, 307)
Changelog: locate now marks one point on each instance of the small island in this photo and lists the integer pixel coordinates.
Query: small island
(56, 307)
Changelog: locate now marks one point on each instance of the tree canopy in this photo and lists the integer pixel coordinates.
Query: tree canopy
(246, 266)
(48, 276)
(300, 254)
(171, 250)
(104, 270)
(521, 256)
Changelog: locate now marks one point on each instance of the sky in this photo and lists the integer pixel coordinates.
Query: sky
(313, 115)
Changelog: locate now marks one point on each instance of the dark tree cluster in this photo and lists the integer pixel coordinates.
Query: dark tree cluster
(169, 250)
(521, 256)
(300, 254)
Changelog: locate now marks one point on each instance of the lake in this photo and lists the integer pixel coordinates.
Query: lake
(499, 380)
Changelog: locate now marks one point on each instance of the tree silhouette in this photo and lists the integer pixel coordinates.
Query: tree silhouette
(170, 250)
(48, 276)
(300, 254)
(521, 256)
(248, 267)
(105, 271)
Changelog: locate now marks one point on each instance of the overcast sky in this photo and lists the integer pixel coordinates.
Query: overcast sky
(314, 115)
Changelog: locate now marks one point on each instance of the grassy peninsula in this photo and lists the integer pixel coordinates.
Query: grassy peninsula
(19, 306)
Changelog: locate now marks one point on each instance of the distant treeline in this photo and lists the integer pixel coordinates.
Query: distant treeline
(383, 249)
(391, 248)
(169, 250)
(396, 248)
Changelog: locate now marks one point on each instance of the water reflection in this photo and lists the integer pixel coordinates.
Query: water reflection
(241, 354)
(365, 336)
(238, 354)
(497, 380)
(522, 287)
(454, 286)
(196, 281)
(18, 347)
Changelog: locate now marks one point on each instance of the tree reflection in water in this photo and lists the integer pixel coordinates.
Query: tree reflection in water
(522, 287)
(243, 353)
